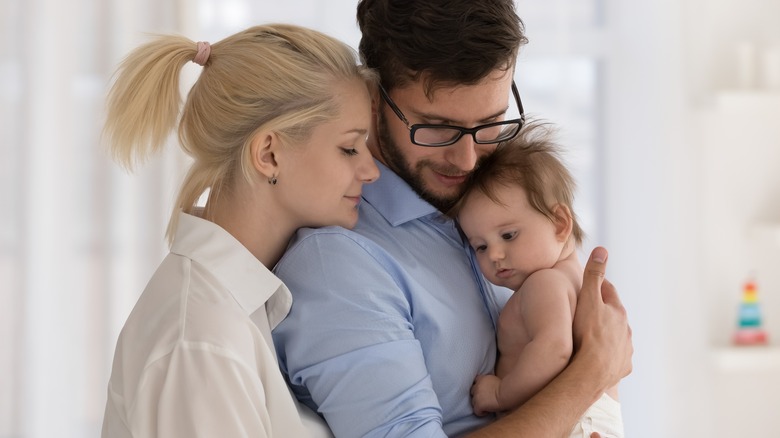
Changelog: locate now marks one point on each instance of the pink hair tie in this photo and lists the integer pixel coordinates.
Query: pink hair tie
(204, 50)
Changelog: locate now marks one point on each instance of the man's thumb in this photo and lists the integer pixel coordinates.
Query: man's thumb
(599, 255)
(595, 270)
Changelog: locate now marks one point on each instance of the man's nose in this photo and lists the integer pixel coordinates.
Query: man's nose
(463, 153)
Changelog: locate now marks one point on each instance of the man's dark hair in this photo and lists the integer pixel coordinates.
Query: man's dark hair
(444, 42)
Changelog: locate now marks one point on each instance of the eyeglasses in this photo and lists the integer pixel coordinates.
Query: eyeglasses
(438, 135)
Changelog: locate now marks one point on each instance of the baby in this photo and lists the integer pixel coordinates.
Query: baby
(517, 215)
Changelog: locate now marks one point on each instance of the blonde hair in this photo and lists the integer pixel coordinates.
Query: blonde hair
(531, 161)
(274, 77)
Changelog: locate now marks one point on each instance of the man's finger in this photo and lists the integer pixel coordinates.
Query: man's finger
(594, 274)
(609, 293)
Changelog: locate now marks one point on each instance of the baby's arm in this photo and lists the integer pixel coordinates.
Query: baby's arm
(546, 313)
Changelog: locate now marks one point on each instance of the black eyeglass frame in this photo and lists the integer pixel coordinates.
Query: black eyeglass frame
(462, 131)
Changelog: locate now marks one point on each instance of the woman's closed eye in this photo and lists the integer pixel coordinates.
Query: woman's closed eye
(349, 151)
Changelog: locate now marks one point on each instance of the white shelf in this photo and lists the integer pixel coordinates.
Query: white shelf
(747, 358)
(766, 232)
(748, 94)
(748, 100)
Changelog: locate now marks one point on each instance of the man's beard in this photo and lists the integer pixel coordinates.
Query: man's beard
(394, 159)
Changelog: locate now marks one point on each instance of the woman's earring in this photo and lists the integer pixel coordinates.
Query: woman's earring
(272, 180)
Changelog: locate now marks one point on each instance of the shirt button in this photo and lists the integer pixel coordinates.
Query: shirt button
(441, 219)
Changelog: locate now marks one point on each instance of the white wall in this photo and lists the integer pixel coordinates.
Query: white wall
(649, 255)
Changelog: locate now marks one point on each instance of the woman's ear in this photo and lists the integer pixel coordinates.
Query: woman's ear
(263, 151)
(564, 222)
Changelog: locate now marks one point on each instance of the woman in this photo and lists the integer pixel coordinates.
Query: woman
(276, 126)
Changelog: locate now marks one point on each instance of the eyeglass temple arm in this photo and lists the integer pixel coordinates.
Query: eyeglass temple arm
(393, 107)
(519, 102)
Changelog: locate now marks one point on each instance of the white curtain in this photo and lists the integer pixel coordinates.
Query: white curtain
(78, 237)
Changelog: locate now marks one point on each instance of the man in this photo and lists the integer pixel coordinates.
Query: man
(391, 322)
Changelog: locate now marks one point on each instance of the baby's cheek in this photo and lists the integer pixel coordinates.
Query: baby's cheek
(485, 267)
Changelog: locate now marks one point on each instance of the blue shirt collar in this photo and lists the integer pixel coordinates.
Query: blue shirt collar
(394, 199)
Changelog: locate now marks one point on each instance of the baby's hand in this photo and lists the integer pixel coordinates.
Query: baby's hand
(484, 394)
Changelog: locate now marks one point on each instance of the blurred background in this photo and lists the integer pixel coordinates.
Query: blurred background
(668, 111)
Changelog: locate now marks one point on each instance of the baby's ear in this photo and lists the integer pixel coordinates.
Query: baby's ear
(564, 222)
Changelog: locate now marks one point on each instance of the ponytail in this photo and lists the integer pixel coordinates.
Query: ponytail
(144, 102)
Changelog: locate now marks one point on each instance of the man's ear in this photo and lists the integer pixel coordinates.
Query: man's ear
(376, 100)
(263, 150)
(564, 222)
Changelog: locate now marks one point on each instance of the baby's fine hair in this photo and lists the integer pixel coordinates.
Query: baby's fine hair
(274, 77)
(531, 161)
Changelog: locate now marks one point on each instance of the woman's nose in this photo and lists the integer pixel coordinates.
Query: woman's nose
(368, 171)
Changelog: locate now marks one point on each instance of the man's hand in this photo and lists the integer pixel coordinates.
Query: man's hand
(484, 394)
(601, 330)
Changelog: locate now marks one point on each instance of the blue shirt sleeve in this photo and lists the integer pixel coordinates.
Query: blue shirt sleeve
(348, 345)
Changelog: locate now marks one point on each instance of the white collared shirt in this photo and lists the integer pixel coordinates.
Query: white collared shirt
(195, 357)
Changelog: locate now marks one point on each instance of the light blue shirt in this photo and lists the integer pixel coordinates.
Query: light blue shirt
(390, 322)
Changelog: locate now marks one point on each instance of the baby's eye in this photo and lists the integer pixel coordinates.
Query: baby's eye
(479, 248)
(349, 151)
(509, 236)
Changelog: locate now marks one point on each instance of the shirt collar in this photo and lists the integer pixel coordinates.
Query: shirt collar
(394, 199)
(248, 280)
